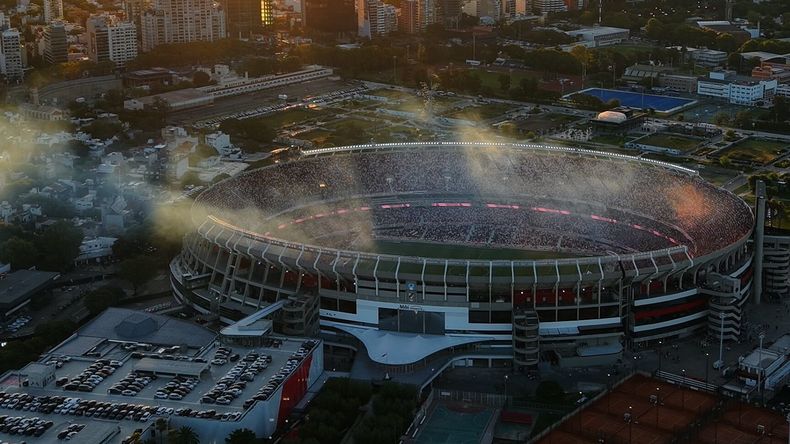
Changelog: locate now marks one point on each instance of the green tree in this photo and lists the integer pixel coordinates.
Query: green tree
(58, 246)
(722, 119)
(201, 78)
(184, 435)
(780, 111)
(730, 135)
(190, 178)
(549, 391)
(98, 300)
(654, 29)
(137, 271)
(241, 436)
(21, 254)
(743, 119)
(504, 82)
(161, 428)
(726, 42)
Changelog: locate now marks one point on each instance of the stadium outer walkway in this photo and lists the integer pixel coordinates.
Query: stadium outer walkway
(420, 374)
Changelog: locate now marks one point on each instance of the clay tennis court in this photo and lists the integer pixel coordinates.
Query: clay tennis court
(739, 425)
(650, 424)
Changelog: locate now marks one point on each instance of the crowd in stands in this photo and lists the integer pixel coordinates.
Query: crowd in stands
(473, 224)
(681, 207)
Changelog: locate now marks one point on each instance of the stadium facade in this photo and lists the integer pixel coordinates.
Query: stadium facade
(566, 255)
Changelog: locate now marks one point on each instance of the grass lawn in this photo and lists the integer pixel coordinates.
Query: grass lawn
(364, 125)
(481, 112)
(389, 93)
(396, 133)
(674, 141)
(756, 150)
(295, 115)
(317, 136)
(543, 122)
(609, 139)
(783, 164)
(491, 79)
(716, 174)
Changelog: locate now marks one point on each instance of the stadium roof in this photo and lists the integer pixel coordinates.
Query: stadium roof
(121, 324)
(22, 284)
(393, 348)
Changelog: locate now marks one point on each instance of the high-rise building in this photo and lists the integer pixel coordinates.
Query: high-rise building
(488, 8)
(378, 18)
(449, 13)
(243, 17)
(408, 20)
(335, 16)
(383, 18)
(53, 10)
(56, 48)
(546, 6)
(12, 64)
(426, 13)
(182, 21)
(134, 10)
(111, 39)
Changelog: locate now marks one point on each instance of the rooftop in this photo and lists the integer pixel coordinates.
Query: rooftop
(160, 362)
(598, 30)
(121, 324)
(175, 96)
(24, 283)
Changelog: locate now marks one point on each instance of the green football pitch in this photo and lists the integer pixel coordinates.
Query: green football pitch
(454, 251)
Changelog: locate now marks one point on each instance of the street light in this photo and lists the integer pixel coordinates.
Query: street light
(760, 365)
(609, 391)
(788, 425)
(707, 361)
(721, 341)
(658, 402)
(630, 421)
(506, 378)
(660, 343)
(683, 386)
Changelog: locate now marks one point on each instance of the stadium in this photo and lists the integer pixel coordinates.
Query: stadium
(519, 252)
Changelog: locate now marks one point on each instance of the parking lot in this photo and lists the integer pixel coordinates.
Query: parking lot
(267, 98)
(114, 395)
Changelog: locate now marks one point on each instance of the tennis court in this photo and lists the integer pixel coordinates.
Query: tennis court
(455, 424)
(637, 100)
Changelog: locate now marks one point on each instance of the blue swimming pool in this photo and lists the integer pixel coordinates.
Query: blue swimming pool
(639, 100)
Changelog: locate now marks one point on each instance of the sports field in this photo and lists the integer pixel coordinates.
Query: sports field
(451, 251)
(639, 100)
(761, 151)
(455, 425)
(674, 141)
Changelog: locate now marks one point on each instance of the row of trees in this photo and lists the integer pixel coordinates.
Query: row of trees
(393, 409)
(689, 35)
(194, 53)
(333, 412)
(18, 353)
(53, 249)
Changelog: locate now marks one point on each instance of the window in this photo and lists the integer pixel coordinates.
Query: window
(478, 317)
(347, 306)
